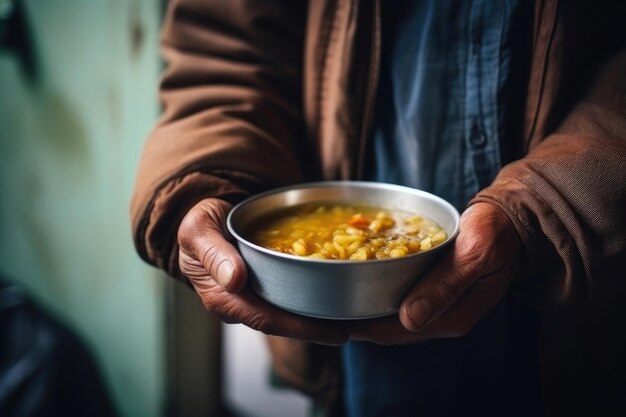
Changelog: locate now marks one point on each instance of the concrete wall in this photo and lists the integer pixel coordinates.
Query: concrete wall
(70, 139)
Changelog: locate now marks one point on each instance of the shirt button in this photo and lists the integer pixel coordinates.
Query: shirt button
(477, 138)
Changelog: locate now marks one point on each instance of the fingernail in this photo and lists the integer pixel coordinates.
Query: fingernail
(419, 313)
(225, 273)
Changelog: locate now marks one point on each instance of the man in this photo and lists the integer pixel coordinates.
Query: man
(262, 94)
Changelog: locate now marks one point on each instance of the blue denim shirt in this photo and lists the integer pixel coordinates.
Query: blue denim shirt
(451, 73)
(450, 93)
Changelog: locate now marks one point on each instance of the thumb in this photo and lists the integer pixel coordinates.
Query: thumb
(446, 282)
(435, 293)
(201, 237)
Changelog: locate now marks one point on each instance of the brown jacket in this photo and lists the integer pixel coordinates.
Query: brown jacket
(263, 93)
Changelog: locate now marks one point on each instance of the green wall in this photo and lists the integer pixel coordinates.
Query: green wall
(69, 143)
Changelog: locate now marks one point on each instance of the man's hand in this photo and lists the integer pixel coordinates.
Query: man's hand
(218, 274)
(456, 292)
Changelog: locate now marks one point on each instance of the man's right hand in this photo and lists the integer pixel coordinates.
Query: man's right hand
(218, 274)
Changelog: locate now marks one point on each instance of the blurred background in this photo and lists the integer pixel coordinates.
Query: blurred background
(86, 328)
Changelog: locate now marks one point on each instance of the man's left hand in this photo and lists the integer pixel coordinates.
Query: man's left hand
(457, 291)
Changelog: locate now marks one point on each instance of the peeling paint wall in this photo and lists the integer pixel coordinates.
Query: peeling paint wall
(70, 138)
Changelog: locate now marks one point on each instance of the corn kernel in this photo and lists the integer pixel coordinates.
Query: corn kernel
(340, 250)
(354, 246)
(413, 220)
(376, 226)
(414, 245)
(354, 231)
(299, 247)
(345, 240)
(438, 237)
(360, 255)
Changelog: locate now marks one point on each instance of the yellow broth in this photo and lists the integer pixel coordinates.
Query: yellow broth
(339, 231)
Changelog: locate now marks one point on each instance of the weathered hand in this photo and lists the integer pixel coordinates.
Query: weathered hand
(218, 274)
(456, 292)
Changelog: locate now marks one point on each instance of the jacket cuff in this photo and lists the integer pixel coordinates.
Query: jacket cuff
(542, 281)
(155, 228)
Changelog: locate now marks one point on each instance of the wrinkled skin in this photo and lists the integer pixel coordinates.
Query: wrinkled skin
(205, 256)
(446, 302)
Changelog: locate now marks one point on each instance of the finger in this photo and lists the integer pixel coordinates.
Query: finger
(460, 318)
(250, 310)
(444, 284)
(456, 321)
(201, 236)
(436, 292)
(483, 250)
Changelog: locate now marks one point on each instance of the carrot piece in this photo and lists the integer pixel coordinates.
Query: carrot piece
(359, 220)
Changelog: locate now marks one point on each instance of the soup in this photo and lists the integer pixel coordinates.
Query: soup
(345, 232)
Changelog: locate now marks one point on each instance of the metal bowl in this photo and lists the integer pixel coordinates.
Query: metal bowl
(334, 289)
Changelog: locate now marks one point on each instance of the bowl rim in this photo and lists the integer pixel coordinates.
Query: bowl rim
(333, 184)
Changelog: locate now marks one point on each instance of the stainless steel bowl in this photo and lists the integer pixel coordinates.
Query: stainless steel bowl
(333, 289)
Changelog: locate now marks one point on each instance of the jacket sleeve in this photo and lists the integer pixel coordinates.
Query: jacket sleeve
(231, 93)
(567, 199)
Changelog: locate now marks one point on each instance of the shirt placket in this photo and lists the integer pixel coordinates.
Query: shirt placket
(481, 101)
